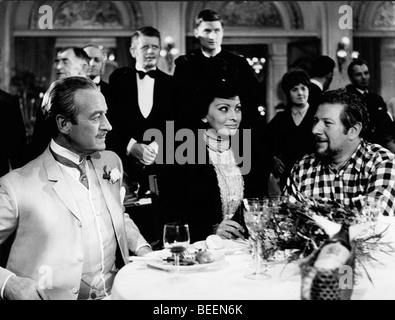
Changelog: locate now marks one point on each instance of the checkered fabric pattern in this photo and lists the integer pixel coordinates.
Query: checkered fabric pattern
(370, 170)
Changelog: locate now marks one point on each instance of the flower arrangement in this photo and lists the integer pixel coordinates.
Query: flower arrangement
(112, 175)
(298, 231)
(301, 228)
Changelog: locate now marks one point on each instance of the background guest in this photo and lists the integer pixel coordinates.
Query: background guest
(359, 75)
(344, 165)
(321, 75)
(288, 135)
(68, 223)
(96, 68)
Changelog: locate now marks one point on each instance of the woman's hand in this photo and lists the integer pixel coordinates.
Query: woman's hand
(229, 229)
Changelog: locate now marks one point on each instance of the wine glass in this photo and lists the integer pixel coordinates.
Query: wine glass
(372, 207)
(256, 217)
(176, 239)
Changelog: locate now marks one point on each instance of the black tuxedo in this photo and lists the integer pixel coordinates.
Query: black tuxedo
(12, 134)
(128, 122)
(104, 89)
(376, 108)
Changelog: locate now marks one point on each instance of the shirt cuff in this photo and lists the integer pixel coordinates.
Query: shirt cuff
(4, 284)
(130, 145)
(143, 245)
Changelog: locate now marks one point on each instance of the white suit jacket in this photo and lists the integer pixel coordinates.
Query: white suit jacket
(36, 201)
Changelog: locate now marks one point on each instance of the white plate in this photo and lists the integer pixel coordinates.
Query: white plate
(163, 265)
(229, 246)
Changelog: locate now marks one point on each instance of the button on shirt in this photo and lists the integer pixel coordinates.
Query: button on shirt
(370, 170)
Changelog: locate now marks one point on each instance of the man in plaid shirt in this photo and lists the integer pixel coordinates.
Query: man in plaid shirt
(344, 165)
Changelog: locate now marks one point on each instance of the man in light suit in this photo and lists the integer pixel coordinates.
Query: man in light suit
(67, 222)
(69, 62)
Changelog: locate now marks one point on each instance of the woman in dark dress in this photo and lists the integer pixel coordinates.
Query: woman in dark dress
(210, 185)
(288, 134)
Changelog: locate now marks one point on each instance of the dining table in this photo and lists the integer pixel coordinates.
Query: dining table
(141, 279)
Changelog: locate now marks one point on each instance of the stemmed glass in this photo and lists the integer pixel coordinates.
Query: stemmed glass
(176, 239)
(256, 217)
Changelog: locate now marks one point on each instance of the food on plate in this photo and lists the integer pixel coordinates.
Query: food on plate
(214, 242)
(182, 261)
(204, 256)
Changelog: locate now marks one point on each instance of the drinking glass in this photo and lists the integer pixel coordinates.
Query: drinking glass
(256, 217)
(176, 239)
(372, 207)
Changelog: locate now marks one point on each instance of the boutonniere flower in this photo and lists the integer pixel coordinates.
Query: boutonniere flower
(112, 176)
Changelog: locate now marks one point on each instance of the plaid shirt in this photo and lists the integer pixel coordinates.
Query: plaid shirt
(370, 170)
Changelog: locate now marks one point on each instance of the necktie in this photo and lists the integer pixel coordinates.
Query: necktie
(69, 163)
(150, 73)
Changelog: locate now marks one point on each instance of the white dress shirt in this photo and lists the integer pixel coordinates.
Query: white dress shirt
(145, 91)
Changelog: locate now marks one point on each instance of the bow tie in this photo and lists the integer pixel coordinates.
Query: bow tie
(151, 73)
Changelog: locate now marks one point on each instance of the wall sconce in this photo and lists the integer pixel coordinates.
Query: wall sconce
(343, 52)
(256, 64)
(169, 51)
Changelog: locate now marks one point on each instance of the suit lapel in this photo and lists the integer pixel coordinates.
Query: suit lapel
(107, 194)
(114, 209)
(61, 187)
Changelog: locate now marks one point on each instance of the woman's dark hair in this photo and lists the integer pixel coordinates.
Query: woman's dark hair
(206, 93)
(354, 108)
(293, 78)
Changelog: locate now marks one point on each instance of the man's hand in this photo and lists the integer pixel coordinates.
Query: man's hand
(143, 251)
(230, 229)
(278, 166)
(143, 153)
(18, 288)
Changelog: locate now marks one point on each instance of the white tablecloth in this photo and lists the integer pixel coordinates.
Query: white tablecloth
(226, 281)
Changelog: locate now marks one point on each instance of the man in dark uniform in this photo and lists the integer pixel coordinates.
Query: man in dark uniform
(358, 73)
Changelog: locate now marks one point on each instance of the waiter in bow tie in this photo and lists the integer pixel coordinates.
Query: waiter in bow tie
(141, 99)
(64, 215)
